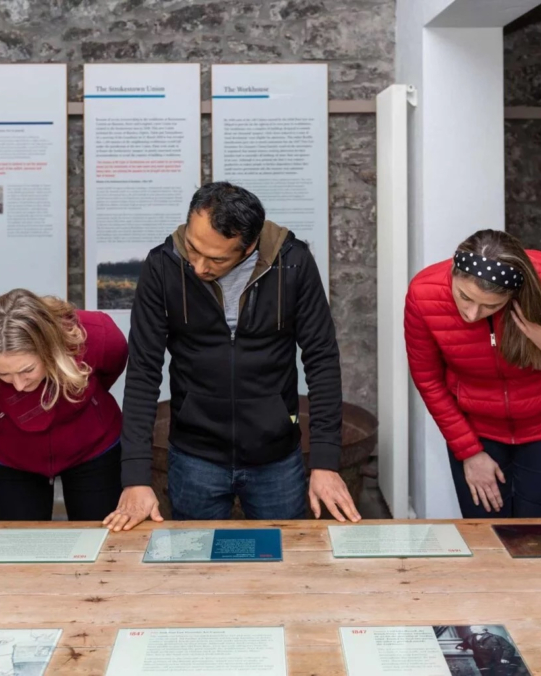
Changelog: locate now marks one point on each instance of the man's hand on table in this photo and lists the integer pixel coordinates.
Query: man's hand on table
(328, 486)
(136, 504)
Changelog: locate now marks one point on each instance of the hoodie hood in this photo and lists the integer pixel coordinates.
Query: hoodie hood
(271, 241)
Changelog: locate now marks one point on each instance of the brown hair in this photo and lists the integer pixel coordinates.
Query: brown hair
(47, 327)
(497, 245)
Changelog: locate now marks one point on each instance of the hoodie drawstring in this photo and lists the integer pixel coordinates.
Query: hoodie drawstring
(279, 290)
(284, 297)
(282, 291)
(164, 297)
(184, 301)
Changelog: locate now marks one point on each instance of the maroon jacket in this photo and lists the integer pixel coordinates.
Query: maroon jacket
(48, 442)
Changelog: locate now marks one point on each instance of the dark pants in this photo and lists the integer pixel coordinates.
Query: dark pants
(202, 490)
(91, 491)
(521, 493)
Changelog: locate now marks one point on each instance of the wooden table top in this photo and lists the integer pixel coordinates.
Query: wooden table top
(310, 593)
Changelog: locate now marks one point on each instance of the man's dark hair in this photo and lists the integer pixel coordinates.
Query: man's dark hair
(233, 210)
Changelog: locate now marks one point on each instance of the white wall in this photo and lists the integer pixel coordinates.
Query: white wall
(456, 174)
(463, 169)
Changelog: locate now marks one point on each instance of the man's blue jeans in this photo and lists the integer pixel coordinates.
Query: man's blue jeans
(202, 490)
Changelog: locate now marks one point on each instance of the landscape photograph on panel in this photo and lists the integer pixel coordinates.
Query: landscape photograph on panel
(26, 652)
(117, 281)
(444, 650)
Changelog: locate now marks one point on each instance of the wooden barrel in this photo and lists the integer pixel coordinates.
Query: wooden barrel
(359, 437)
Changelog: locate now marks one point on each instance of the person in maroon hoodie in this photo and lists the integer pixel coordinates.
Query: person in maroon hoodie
(473, 336)
(57, 417)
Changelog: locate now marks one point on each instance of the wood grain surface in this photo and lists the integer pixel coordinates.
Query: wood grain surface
(310, 593)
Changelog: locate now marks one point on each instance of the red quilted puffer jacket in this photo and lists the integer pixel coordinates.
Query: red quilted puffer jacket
(467, 386)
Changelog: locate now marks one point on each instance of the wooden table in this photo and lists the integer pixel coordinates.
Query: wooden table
(310, 593)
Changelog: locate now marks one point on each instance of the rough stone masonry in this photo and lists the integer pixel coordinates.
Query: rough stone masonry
(523, 137)
(356, 39)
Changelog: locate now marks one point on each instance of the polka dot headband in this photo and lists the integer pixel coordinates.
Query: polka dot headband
(490, 270)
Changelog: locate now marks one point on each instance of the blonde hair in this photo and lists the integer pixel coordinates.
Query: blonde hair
(515, 347)
(48, 328)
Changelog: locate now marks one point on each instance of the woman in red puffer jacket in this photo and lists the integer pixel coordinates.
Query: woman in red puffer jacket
(473, 337)
(57, 417)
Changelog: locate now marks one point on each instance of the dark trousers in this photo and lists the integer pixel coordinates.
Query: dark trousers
(521, 493)
(91, 491)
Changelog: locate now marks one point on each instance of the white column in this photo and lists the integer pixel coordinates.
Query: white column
(392, 149)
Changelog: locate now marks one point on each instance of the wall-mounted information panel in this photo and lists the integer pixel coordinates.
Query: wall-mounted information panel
(33, 178)
(142, 166)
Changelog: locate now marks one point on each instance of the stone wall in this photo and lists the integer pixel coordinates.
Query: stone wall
(355, 37)
(523, 137)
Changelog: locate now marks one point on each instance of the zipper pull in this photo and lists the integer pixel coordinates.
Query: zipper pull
(492, 332)
(232, 337)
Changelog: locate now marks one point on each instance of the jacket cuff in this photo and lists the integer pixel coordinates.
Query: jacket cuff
(136, 472)
(324, 456)
(468, 453)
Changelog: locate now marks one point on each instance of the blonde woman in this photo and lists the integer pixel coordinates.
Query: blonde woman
(57, 417)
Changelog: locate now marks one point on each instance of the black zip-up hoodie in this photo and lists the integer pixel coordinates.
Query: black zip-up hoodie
(234, 398)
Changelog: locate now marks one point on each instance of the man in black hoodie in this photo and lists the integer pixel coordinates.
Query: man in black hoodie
(230, 296)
